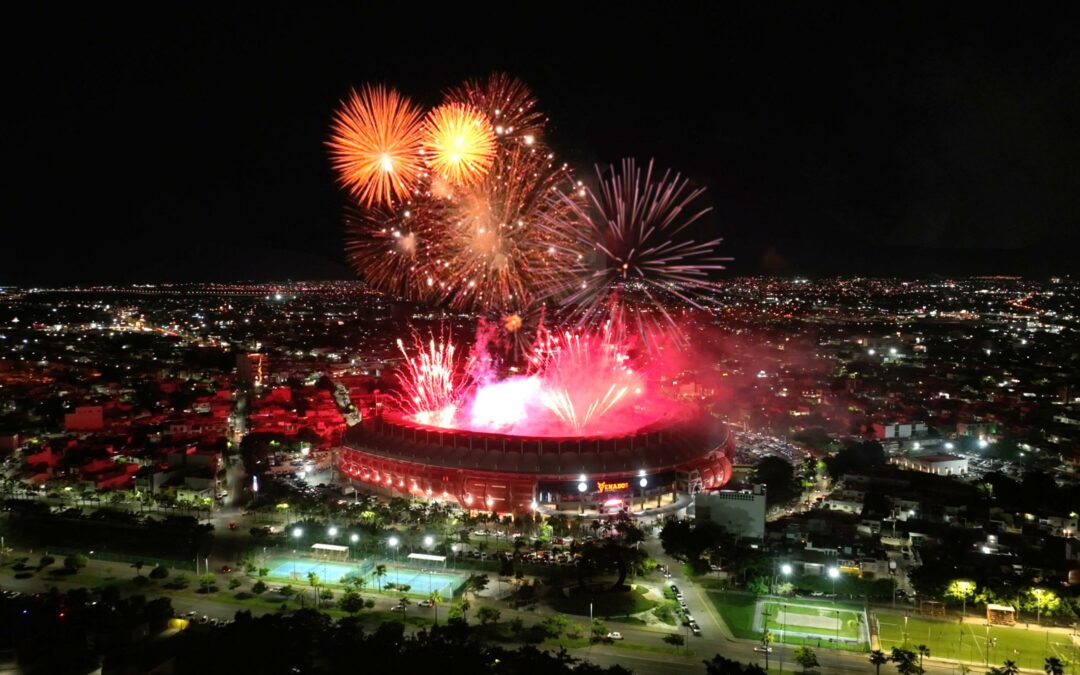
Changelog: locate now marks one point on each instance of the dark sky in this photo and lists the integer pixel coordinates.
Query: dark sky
(891, 138)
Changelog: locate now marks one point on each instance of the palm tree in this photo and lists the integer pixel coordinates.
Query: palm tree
(878, 659)
(1054, 666)
(1010, 668)
(923, 651)
(313, 579)
(380, 572)
(436, 598)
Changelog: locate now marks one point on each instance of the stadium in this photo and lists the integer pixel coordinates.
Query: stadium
(507, 473)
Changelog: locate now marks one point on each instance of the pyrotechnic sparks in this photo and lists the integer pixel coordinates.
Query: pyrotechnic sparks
(631, 237)
(585, 379)
(432, 382)
(509, 104)
(394, 250)
(376, 145)
(459, 143)
(496, 254)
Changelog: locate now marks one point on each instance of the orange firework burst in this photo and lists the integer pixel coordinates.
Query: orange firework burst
(509, 104)
(495, 252)
(459, 143)
(512, 322)
(376, 145)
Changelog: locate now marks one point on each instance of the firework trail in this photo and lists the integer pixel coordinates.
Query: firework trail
(509, 105)
(375, 145)
(459, 143)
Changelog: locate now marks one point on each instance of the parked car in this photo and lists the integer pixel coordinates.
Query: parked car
(614, 635)
(426, 603)
(763, 649)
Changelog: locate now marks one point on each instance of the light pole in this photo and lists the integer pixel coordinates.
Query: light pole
(834, 574)
(582, 486)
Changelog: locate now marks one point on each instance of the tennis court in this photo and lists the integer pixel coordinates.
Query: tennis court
(298, 569)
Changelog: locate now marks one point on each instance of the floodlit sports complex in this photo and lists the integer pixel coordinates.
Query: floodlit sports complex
(811, 622)
(514, 473)
(421, 573)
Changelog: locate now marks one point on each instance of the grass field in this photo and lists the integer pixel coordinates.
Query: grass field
(605, 604)
(953, 640)
(812, 621)
(738, 610)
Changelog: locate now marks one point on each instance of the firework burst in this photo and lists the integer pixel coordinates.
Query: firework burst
(459, 143)
(509, 104)
(395, 250)
(629, 240)
(433, 383)
(376, 144)
(496, 253)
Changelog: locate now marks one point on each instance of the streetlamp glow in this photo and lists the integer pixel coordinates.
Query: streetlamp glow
(332, 531)
(297, 532)
(354, 538)
(785, 569)
(429, 541)
(393, 542)
(833, 573)
(643, 482)
(582, 487)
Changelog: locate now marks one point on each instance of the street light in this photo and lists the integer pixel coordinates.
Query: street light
(354, 538)
(332, 531)
(393, 543)
(834, 574)
(429, 541)
(582, 486)
(297, 532)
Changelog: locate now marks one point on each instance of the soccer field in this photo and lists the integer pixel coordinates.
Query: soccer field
(953, 640)
(813, 621)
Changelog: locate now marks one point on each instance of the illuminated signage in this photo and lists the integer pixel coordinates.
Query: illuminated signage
(611, 487)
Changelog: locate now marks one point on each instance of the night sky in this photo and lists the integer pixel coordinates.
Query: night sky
(188, 144)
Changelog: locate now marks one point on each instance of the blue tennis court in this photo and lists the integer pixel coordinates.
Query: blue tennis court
(297, 570)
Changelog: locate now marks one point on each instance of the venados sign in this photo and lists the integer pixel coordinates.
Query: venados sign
(601, 486)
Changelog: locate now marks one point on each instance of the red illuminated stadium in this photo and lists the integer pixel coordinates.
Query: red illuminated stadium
(512, 473)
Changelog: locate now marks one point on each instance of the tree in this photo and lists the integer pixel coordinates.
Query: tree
(718, 665)
(878, 659)
(598, 629)
(805, 657)
(313, 580)
(207, 582)
(264, 572)
(1054, 666)
(45, 561)
(75, 562)
(1009, 668)
(1041, 601)
(960, 589)
(159, 572)
(779, 478)
(923, 652)
(259, 587)
(554, 625)
(181, 581)
(234, 584)
(138, 565)
(435, 598)
(476, 583)
(351, 602)
(380, 572)
(906, 662)
(488, 615)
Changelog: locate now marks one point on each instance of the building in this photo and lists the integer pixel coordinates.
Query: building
(740, 511)
(516, 474)
(85, 418)
(897, 430)
(941, 465)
